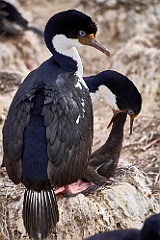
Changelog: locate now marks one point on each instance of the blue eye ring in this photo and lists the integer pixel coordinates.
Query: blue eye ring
(131, 112)
(82, 33)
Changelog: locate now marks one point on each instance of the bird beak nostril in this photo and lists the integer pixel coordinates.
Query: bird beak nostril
(90, 40)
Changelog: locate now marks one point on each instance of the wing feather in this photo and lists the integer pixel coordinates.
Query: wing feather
(69, 136)
(16, 121)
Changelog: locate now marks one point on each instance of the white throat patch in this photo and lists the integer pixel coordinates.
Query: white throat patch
(108, 97)
(67, 47)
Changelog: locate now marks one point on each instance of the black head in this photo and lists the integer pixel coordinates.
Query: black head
(72, 24)
(126, 94)
(118, 91)
(68, 23)
(128, 98)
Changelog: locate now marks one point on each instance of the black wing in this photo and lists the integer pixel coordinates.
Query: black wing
(68, 121)
(17, 119)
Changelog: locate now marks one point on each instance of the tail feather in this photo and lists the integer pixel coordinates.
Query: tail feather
(40, 213)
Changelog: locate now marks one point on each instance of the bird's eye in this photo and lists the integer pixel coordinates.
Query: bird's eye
(131, 112)
(82, 33)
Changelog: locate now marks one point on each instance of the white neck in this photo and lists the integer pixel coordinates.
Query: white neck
(67, 47)
(108, 96)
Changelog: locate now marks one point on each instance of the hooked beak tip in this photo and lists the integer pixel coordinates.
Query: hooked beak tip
(131, 123)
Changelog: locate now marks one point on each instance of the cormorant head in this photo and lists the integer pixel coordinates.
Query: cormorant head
(118, 92)
(127, 97)
(69, 29)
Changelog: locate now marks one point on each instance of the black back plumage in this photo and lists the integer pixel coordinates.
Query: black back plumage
(61, 108)
(150, 230)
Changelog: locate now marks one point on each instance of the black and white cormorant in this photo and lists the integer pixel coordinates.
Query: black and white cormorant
(12, 22)
(149, 231)
(47, 134)
(123, 98)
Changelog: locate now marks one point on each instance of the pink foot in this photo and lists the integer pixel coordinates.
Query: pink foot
(72, 189)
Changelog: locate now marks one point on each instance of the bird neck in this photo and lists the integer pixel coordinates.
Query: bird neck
(66, 54)
(111, 149)
(106, 78)
(69, 63)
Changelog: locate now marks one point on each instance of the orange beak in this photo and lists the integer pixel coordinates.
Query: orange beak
(132, 117)
(131, 123)
(90, 40)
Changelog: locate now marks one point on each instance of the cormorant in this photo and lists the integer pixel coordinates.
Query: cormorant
(47, 134)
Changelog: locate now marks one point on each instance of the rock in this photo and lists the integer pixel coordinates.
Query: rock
(9, 81)
(21, 54)
(123, 205)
